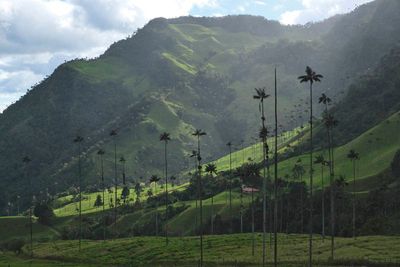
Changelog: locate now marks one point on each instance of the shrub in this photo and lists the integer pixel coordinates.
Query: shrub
(14, 245)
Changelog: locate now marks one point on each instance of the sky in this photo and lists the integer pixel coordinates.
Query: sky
(38, 35)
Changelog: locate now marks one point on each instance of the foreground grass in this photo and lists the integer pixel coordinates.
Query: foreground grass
(228, 250)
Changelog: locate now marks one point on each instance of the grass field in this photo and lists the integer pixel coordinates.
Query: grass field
(223, 250)
(376, 147)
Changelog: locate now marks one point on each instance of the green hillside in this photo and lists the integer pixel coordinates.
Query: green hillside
(178, 75)
(225, 250)
(376, 147)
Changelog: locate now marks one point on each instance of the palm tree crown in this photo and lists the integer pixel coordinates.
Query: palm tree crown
(101, 152)
(319, 159)
(260, 94)
(211, 168)
(330, 121)
(26, 159)
(198, 132)
(324, 99)
(78, 139)
(154, 179)
(165, 137)
(310, 76)
(353, 155)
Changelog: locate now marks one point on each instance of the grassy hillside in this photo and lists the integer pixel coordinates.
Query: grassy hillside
(66, 208)
(177, 75)
(18, 227)
(376, 146)
(222, 250)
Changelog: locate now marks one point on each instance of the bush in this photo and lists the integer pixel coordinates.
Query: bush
(14, 245)
(396, 164)
(44, 212)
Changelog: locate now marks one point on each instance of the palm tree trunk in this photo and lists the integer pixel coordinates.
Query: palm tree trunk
(103, 187)
(354, 198)
(323, 203)
(311, 180)
(230, 189)
(265, 162)
(115, 188)
(241, 207)
(212, 214)
(166, 193)
(200, 200)
(301, 206)
(252, 222)
(276, 180)
(332, 194)
(155, 193)
(80, 196)
(30, 215)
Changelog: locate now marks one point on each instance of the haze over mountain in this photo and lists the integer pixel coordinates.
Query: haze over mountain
(179, 74)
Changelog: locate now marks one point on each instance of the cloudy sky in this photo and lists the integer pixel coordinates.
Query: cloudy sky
(38, 35)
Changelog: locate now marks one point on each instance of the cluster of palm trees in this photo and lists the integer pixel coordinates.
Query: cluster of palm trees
(211, 169)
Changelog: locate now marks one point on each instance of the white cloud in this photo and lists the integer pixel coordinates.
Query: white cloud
(37, 35)
(259, 2)
(316, 10)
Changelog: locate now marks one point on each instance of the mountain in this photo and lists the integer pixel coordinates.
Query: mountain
(176, 75)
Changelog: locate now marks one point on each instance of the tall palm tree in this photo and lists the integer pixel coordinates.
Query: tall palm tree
(354, 156)
(261, 96)
(172, 179)
(198, 133)
(229, 144)
(324, 99)
(298, 172)
(154, 179)
(321, 160)
(78, 140)
(330, 122)
(311, 77)
(125, 190)
(101, 153)
(194, 155)
(26, 160)
(251, 175)
(113, 135)
(276, 177)
(211, 169)
(165, 137)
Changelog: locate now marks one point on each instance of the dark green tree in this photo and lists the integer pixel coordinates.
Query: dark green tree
(98, 202)
(395, 165)
(138, 191)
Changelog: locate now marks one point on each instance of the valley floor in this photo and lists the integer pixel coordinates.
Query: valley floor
(222, 250)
